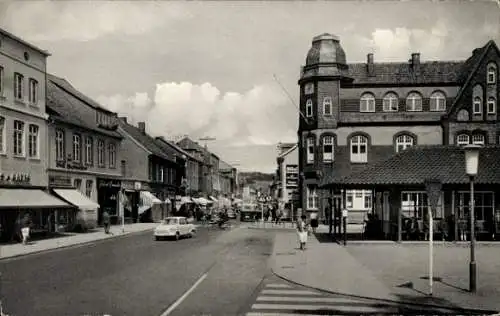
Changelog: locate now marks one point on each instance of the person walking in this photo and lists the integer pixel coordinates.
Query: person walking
(105, 221)
(302, 229)
(314, 221)
(25, 228)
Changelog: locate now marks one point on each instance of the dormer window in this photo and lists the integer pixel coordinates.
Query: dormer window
(309, 108)
(492, 74)
(414, 102)
(477, 105)
(492, 105)
(478, 139)
(438, 101)
(403, 142)
(327, 106)
(390, 103)
(367, 103)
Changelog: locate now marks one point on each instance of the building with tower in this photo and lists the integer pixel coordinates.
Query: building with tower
(355, 115)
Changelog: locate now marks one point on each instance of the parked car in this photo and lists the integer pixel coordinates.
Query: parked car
(174, 227)
(231, 214)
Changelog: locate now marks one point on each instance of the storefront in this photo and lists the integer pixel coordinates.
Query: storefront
(47, 212)
(87, 209)
(108, 199)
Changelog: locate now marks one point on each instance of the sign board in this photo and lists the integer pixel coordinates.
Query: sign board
(59, 181)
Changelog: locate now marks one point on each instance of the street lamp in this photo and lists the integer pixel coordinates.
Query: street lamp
(471, 166)
(433, 188)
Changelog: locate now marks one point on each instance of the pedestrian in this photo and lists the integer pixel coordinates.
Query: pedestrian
(25, 228)
(105, 221)
(314, 221)
(302, 231)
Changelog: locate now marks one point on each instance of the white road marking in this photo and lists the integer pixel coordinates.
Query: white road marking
(288, 292)
(184, 296)
(304, 299)
(293, 307)
(278, 286)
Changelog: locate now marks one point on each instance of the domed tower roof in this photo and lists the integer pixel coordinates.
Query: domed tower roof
(325, 58)
(325, 49)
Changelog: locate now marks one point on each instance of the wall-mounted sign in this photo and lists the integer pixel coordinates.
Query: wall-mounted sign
(15, 178)
(59, 181)
(101, 183)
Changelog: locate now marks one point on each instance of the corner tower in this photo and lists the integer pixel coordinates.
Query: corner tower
(320, 81)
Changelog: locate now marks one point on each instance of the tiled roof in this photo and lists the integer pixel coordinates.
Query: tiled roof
(415, 165)
(169, 146)
(63, 105)
(401, 72)
(224, 165)
(147, 141)
(188, 144)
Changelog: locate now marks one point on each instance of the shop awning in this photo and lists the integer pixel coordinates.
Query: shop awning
(186, 199)
(147, 201)
(29, 198)
(167, 201)
(77, 199)
(213, 199)
(201, 200)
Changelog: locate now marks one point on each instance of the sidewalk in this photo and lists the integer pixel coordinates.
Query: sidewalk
(390, 272)
(71, 239)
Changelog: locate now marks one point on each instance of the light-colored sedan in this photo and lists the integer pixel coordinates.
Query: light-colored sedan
(174, 227)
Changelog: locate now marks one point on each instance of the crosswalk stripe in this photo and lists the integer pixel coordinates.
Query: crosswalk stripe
(305, 299)
(292, 307)
(281, 286)
(288, 292)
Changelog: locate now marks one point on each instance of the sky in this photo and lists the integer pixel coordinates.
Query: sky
(206, 69)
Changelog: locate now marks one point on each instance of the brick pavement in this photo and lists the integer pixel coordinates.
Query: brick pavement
(71, 239)
(385, 271)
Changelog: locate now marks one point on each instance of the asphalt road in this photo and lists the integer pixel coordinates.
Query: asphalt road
(135, 275)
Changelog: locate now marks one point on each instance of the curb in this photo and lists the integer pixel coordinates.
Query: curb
(76, 245)
(457, 309)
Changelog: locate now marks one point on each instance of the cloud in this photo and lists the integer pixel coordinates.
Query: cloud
(84, 21)
(259, 116)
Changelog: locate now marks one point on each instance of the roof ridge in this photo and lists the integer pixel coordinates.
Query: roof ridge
(457, 61)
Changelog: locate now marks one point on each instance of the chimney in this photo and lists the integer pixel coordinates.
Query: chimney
(369, 65)
(415, 62)
(142, 127)
(123, 118)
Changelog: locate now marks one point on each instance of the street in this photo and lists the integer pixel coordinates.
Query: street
(135, 275)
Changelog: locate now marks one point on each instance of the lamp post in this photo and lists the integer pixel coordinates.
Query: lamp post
(433, 188)
(471, 166)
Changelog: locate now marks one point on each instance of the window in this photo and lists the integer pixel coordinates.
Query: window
(463, 140)
(438, 101)
(1, 81)
(60, 145)
(309, 108)
(368, 201)
(328, 148)
(367, 103)
(18, 86)
(403, 142)
(416, 204)
(89, 152)
(477, 105)
(33, 91)
(359, 151)
(18, 138)
(78, 184)
(414, 102)
(483, 205)
(2, 134)
(478, 139)
(33, 140)
(309, 88)
(327, 106)
(492, 106)
(312, 198)
(88, 188)
(310, 149)
(100, 153)
(390, 102)
(77, 147)
(112, 156)
(492, 74)
(349, 200)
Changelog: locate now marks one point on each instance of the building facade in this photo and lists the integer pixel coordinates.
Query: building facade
(205, 168)
(358, 114)
(288, 179)
(84, 148)
(151, 179)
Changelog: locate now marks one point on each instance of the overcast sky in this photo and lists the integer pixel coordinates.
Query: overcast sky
(206, 69)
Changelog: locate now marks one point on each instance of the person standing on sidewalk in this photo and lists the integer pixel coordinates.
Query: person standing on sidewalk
(314, 221)
(302, 231)
(105, 221)
(25, 228)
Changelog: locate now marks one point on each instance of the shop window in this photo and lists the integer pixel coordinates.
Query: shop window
(416, 204)
(483, 205)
